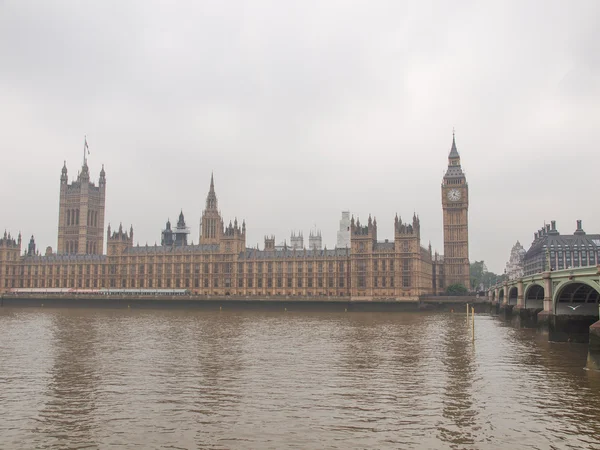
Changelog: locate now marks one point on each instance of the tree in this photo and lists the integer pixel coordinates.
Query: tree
(482, 278)
(477, 270)
(456, 289)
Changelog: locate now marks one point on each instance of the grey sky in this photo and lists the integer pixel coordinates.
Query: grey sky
(304, 109)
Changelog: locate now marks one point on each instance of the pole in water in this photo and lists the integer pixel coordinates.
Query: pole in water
(467, 313)
(473, 322)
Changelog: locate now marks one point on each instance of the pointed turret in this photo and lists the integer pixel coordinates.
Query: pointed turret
(63, 177)
(102, 181)
(84, 175)
(31, 247)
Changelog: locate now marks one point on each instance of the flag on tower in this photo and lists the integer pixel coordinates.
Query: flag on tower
(86, 145)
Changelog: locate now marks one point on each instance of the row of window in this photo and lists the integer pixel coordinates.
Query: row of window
(278, 282)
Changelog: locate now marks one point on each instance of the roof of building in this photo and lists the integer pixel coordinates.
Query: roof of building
(553, 240)
(454, 171)
(453, 150)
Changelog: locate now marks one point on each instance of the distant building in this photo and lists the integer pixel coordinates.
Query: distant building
(315, 241)
(167, 235)
(515, 266)
(177, 237)
(297, 241)
(343, 234)
(551, 250)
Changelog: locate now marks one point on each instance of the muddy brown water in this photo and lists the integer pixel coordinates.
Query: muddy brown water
(118, 378)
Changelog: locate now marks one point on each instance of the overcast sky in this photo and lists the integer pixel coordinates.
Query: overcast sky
(302, 110)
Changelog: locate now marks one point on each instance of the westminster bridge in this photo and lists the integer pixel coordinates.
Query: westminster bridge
(565, 303)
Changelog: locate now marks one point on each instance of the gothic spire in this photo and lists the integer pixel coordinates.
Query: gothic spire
(453, 150)
(211, 198)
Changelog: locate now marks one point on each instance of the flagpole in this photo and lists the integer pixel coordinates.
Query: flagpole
(84, 146)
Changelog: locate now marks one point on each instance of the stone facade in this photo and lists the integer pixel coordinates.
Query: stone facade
(222, 264)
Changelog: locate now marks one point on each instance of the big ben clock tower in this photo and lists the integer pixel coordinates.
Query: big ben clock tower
(455, 204)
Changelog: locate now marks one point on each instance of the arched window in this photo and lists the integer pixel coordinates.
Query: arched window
(68, 217)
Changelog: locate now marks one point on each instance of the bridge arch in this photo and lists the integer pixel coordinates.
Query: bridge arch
(534, 296)
(512, 295)
(501, 295)
(576, 297)
(493, 295)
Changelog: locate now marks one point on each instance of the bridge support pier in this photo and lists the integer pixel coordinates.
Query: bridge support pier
(494, 306)
(525, 317)
(505, 311)
(593, 361)
(565, 328)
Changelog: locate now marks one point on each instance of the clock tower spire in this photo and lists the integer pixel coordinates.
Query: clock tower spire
(455, 206)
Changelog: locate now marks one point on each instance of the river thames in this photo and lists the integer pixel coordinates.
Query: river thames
(117, 378)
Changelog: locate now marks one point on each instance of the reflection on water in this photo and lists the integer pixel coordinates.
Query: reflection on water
(91, 378)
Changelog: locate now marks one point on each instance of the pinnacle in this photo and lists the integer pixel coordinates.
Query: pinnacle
(453, 150)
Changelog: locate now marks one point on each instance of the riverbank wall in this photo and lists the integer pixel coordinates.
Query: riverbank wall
(358, 304)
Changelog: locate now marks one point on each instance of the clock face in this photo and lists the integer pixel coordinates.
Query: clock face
(454, 195)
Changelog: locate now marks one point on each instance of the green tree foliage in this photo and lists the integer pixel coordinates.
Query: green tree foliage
(481, 276)
(456, 289)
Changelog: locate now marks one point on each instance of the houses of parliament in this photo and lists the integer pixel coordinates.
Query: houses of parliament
(221, 264)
